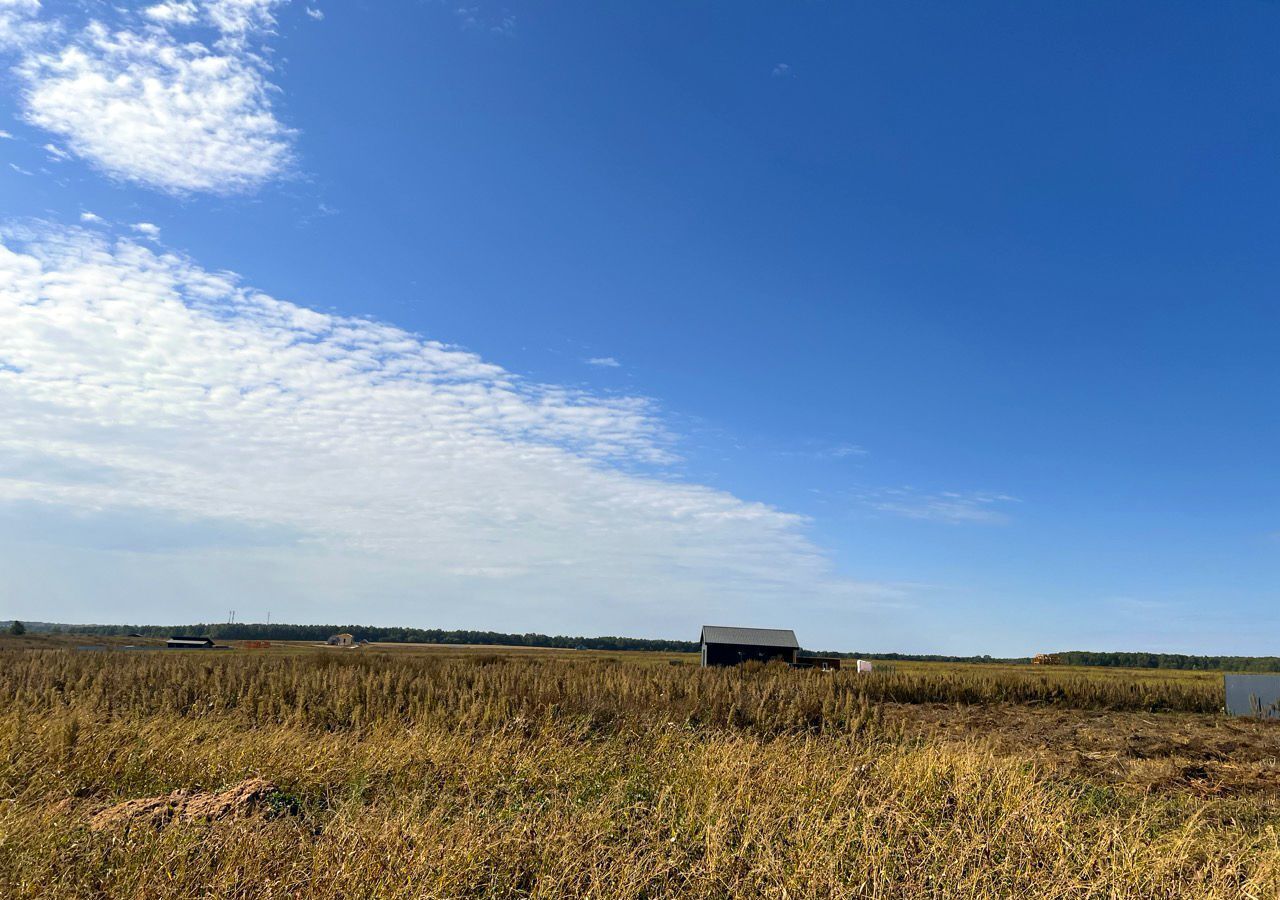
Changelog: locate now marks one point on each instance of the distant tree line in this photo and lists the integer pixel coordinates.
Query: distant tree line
(922, 657)
(239, 631)
(1171, 661)
(249, 631)
(284, 632)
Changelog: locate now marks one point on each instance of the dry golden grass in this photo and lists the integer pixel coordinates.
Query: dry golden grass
(402, 776)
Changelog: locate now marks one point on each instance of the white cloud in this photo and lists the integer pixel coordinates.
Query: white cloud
(171, 113)
(950, 507)
(174, 13)
(844, 451)
(56, 153)
(146, 229)
(781, 70)
(316, 14)
(17, 168)
(19, 25)
(90, 218)
(5, 136)
(187, 394)
(606, 362)
(233, 18)
(240, 17)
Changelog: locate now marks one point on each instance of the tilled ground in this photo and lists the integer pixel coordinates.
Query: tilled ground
(1207, 755)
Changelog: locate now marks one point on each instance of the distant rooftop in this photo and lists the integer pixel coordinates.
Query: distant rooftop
(760, 637)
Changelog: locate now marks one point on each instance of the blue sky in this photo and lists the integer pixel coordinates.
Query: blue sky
(916, 327)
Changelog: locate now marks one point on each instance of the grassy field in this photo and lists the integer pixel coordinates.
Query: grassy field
(411, 771)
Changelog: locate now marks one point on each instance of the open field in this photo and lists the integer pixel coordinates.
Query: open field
(49, 641)
(410, 771)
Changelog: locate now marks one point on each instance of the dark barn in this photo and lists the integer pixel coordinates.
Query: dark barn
(726, 646)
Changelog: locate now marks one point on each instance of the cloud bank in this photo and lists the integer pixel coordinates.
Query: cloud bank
(175, 97)
(134, 381)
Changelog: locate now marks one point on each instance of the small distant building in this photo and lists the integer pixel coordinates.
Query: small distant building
(825, 663)
(341, 640)
(179, 642)
(729, 646)
(1046, 659)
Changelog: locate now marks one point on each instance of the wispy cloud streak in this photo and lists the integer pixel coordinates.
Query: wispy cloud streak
(949, 507)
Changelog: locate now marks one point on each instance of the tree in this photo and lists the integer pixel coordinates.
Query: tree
(16, 627)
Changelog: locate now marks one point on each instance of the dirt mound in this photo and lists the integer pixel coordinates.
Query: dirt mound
(246, 798)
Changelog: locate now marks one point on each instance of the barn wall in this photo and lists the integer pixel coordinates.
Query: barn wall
(732, 654)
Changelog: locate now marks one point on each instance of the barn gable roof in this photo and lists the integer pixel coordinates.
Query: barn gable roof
(760, 637)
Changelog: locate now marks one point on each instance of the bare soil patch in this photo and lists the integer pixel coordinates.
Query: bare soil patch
(1159, 752)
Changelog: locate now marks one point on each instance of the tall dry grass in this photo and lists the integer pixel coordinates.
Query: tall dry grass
(351, 690)
(487, 778)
